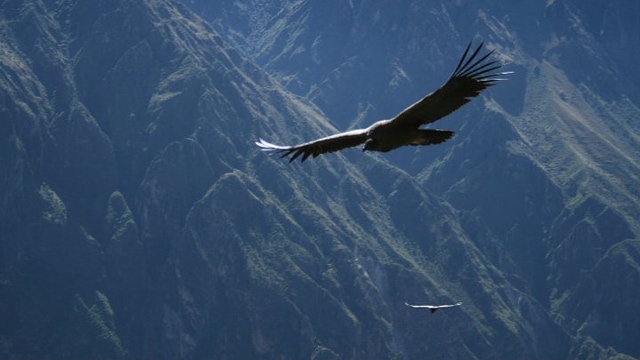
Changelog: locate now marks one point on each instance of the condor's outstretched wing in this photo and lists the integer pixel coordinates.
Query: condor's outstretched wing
(473, 74)
(433, 308)
(314, 148)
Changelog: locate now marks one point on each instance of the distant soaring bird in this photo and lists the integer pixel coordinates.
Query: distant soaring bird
(469, 78)
(433, 308)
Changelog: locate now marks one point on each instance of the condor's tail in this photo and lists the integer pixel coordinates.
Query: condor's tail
(431, 137)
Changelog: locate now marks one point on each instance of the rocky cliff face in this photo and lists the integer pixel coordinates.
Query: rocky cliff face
(544, 178)
(139, 221)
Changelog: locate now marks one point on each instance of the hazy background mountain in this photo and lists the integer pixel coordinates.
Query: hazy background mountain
(138, 220)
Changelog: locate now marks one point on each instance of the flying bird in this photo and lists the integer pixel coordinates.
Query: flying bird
(433, 308)
(473, 74)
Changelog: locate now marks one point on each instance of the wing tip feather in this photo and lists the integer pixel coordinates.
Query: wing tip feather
(284, 150)
(476, 68)
(265, 145)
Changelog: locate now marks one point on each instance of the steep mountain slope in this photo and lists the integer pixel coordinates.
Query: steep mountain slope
(543, 174)
(139, 221)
